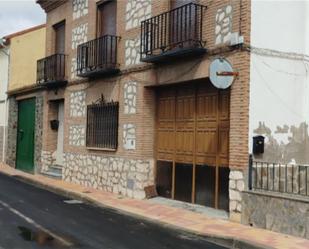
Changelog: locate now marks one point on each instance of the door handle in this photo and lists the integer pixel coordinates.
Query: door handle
(21, 132)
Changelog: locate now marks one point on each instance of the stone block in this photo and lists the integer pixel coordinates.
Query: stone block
(138, 194)
(236, 217)
(234, 195)
(240, 185)
(236, 175)
(233, 205)
(232, 184)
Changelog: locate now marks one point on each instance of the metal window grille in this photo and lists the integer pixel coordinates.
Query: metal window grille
(102, 125)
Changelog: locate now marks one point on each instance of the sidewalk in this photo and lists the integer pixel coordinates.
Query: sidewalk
(179, 218)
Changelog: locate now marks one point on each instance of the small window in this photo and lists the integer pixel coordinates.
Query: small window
(102, 125)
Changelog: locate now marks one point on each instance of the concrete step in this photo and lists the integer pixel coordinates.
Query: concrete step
(55, 169)
(52, 174)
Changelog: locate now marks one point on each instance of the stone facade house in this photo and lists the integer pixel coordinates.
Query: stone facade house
(128, 97)
(120, 99)
(128, 105)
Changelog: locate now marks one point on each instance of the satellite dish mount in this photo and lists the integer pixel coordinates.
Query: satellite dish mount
(221, 73)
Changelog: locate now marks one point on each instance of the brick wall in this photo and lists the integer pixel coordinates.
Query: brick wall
(144, 75)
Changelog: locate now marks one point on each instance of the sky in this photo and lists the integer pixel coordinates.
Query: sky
(16, 15)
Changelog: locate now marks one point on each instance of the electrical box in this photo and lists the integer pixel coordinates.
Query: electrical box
(54, 124)
(258, 144)
(236, 39)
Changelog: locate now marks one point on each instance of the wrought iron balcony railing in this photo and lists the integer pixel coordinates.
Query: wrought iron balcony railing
(98, 57)
(174, 33)
(51, 70)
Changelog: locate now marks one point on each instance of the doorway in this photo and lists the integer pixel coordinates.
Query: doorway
(60, 38)
(59, 152)
(193, 143)
(25, 135)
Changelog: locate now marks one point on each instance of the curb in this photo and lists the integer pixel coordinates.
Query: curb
(225, 241)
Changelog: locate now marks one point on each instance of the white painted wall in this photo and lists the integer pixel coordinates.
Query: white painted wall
(4, 77)
(4, 64)
(279, 87)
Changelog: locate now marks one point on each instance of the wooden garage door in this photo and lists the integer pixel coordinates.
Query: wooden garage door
(193, 128)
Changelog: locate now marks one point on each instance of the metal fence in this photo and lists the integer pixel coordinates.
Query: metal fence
(97, 55)
(180, 27)
(277, 177)
(102, 125)
(51, 69)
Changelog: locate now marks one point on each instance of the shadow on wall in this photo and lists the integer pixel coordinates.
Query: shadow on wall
(287, 144)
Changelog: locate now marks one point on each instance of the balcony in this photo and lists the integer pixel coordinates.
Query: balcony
(98, 57)
(173, 34)
(51, 71)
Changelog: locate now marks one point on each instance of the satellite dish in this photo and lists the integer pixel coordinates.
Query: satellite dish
(221, 73)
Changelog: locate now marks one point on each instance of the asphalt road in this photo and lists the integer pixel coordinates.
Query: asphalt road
(32, 218)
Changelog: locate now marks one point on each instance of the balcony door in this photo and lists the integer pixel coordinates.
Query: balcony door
(60, 38)
(59, 154)
(58, 61)
(182, 22)
(107, 18)
(106, 46)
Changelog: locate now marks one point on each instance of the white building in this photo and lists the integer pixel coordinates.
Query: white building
(279, 79)
(4, 76)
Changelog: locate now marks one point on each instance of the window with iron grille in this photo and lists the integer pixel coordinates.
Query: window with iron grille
(102, 125)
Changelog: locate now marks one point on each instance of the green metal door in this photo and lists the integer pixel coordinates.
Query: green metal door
(25, 135)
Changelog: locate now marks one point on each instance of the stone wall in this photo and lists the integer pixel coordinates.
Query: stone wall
(132, 51)
(130, 92)
(80, 8)
(236, 186)
(114, 174)
(38, 133)
(136, 12)
(74, 69)
(276, 212)
(79, 35)
(12, 132)
(46, 160)
(78, 104)
(223, 29)
(129, 136)
(77, 135)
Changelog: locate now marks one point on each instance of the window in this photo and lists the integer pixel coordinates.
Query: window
(102, 125)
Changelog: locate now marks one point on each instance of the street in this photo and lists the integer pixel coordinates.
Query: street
(32, 218)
